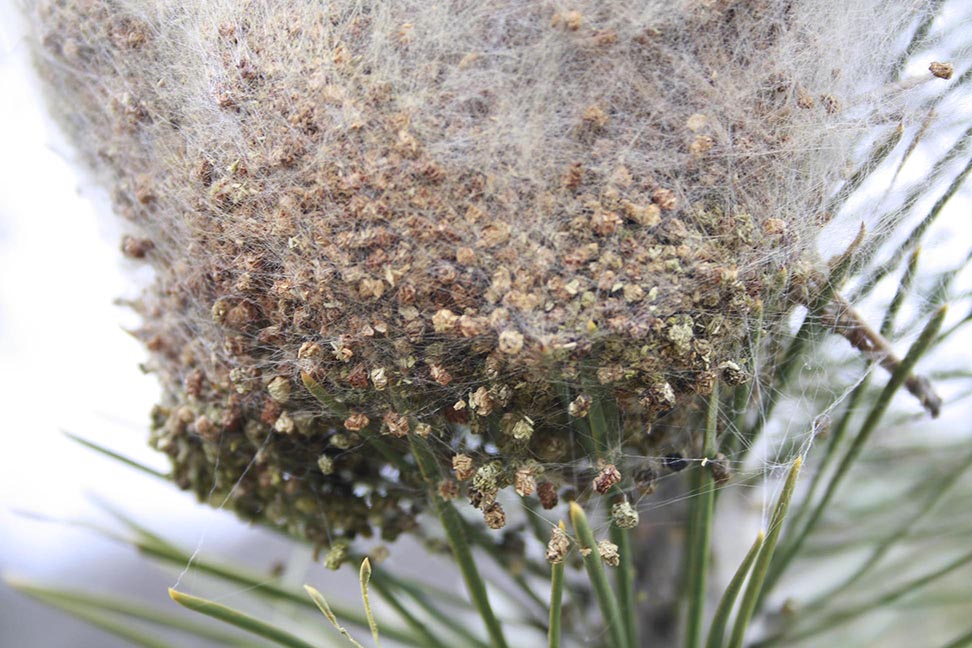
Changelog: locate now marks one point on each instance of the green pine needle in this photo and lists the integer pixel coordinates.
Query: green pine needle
(325, 609)
(556, 600)
(364, 577)
(883, 601)
(238, 619)
(122, 459)
(85, 605)
(323, 397)
(754, 589)
(461, 551)
(700, 526)
(717, 629)
(384, 584)
(965, 641)
(599, 581)
(880, 406)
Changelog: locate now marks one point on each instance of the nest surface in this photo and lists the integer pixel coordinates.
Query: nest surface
(451, 219)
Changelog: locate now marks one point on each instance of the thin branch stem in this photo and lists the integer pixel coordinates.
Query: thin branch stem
(846, 321)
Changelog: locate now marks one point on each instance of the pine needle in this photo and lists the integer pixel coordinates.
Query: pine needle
(238, 619)
(556, 600)
(325, 609)
(755, 590)
(717, 629)
(364, 576)
(599, 581)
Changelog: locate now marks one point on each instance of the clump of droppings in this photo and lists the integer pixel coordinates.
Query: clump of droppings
(558, 546)
(609, 553)
(325, 464)
(624, 515)
(525, 478)
(487, 478)
(607, 477)
(547, 494)
(336, 555)
(494, 516)
(370, 233)
(463, 467)
(580, 406)
(942, 70)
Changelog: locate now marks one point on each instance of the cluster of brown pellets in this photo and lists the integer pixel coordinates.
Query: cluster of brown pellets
(457, 225)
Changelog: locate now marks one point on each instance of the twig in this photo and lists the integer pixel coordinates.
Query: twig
(843, 319)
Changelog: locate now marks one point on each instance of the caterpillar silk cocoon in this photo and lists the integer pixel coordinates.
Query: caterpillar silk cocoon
(370, 220)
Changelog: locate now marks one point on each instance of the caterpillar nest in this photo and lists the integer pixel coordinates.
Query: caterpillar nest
(465, 221)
